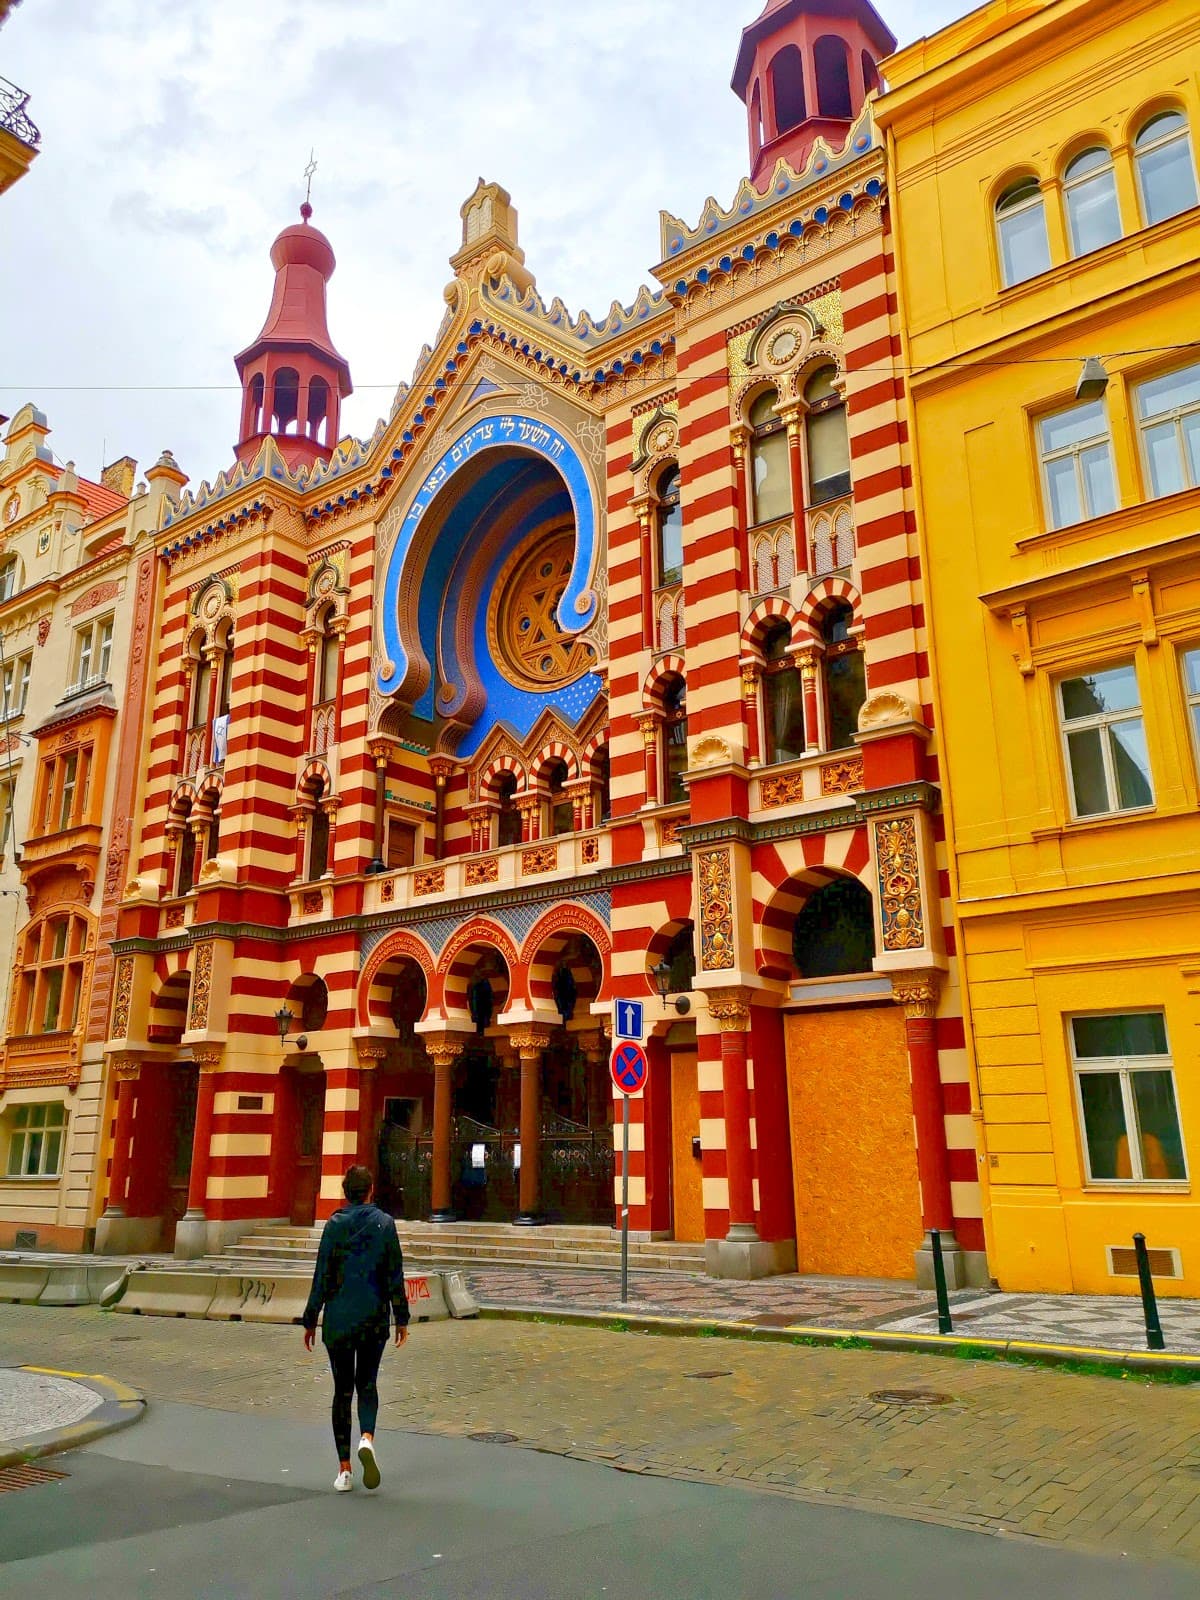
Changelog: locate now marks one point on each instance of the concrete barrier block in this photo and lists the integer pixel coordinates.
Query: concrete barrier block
(108, 1284)
(22, 1281)
(67, 1286)
(426, 1297)
(459, 1298)
(259, 1298)
(168, 1294)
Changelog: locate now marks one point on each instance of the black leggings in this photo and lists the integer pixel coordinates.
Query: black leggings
(355, 1362)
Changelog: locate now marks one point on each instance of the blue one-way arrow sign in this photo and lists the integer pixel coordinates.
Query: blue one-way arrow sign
(630, 1020)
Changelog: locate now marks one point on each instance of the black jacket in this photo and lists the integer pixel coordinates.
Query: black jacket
(359, 1275)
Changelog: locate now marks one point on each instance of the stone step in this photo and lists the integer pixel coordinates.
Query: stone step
(442, 1230)
(450, 1238)
(663, 1259)
(251, 1265)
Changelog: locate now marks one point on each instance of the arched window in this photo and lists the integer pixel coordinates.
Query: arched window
(783, 697)
(1090, 189)
(674, 741)
(225, 683)
(669, 524)
(254, 405)
(770, 471)
(680, 957)
(201, 688)
(509, 819)
(870, 72)
(318, 409)
(787, 89)
(603, 800)
(314, 1005)
(826, 438)
(327, 661)
(756, 127)
(562, 812)
(831, 57)
(212, 836)
(1166, 168)
(834, 932)
(318, 835)
(10, 577)
(285, 399)
(845, 677)
(1021, 232)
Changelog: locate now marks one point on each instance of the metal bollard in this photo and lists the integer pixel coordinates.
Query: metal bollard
(1154, 1333)
(945, 1323)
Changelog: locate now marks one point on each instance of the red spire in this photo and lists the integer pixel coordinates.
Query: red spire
(804, 69)
(293, 377)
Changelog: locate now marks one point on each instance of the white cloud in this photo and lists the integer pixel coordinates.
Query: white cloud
(174, 136)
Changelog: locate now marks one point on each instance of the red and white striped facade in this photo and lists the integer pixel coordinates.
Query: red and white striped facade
(460, 842)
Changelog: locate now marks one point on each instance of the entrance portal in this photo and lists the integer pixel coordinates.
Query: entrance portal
(309, 1126)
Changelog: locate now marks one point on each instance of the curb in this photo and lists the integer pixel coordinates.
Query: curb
(121, 1407)
(1013, 1350)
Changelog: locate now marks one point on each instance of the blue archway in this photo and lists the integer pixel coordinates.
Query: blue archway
(511, 432)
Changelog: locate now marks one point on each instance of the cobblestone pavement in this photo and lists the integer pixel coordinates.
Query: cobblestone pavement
(37, 1402)
(1108, 1322)
(1106, 1463)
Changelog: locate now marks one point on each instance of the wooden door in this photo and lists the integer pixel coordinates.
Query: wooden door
(310, 1125)
(687, 1187)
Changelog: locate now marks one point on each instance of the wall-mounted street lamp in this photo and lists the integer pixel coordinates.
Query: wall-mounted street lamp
(662, 982)
(283, 1021)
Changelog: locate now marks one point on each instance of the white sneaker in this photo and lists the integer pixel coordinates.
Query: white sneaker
(370, 1466)
(344, 1482)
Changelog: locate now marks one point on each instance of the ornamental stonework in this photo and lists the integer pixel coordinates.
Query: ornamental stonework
(716, 910)
(122, 997)
(535, 861)
(432, 881)
(842, 777)
(786, 790)
(312, 903)
(589, 852)
(485, 871)
(201, 988)
(899, 870)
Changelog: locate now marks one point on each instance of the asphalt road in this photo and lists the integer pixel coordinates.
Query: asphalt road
(196, 1503)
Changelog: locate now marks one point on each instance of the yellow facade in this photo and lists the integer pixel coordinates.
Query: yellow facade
(1052, 149)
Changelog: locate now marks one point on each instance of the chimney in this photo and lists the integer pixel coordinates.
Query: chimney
(119, 475)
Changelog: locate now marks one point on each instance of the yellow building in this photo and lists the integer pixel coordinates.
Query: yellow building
(1052, 149)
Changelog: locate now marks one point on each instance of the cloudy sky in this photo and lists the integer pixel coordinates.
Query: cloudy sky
(134, 256)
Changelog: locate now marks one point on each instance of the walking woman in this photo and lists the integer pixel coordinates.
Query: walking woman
(359, 1280)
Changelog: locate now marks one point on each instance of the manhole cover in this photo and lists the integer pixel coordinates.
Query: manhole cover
(710, 1374)
(493, 1438)
(24, 1476)
(910, 1397)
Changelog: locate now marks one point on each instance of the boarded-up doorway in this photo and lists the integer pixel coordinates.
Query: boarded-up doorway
(858, 1211)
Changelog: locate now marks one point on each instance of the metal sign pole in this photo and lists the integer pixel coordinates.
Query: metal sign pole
(624, 1198)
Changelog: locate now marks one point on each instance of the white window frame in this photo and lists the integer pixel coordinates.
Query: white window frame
(9, 571)
(15, 689)
(1102, 720)
(1175, 414)
(1005, 210)
(93, 641)
(1184, 136)
(1124, 1067)
(1075, 452)
(1191, 699)
(23, 1125)
(1072, 187)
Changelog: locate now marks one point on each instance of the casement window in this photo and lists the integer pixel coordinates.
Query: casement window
(1021, 232)
(10, 577)
(1168, 413)
(560, 809)
(14, 685)
(91, 653)
(845, 677)
(6, 819)
(826, 439)
(1090, 193)
(65, 785)
(770, 468)
(36, 1139)
(1125, 1082)
(675, 742)
(782, 697)
(1104, 737)
(1191, 689)
(327, 663)
(1166, 168)
(668, 514)
(508, 816)
(1077, 467)
(52, 975)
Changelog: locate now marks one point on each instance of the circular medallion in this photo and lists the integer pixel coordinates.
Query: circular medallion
(529, 646)
(662, 438)
(783, 347)
(11, 507)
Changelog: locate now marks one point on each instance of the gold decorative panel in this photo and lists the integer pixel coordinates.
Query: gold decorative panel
(786, 790)
(431, 882)
(716, 911)
(523, 631)
(544, 859)
(485, 871)
(841, 777)
(899, 871)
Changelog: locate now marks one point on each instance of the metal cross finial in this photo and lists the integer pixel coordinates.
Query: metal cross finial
(308, 173)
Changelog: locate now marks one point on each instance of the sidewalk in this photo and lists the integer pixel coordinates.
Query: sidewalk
(1110, 1323)
(43, 1412)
